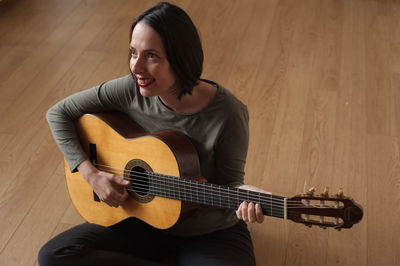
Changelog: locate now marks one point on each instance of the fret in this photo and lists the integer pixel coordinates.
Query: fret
(201, 193)
(242, 196)
(152, 184)
(214, 194)
(270, 205)
(229, 198)
(220, 196)
(184, 190)
(285, 209)
(194, 194)
(204, 194)
(237, 198)
(197, 192)
(211, 197)
(216, 197)
(164, 184)
(224, 198)
(155, 185)
(234, 195)
(170, 187)
(190, 191)
(177, 187)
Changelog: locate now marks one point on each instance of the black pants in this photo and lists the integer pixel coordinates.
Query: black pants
(132, 242)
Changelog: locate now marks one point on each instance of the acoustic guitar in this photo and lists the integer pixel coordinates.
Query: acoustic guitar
(166, 182)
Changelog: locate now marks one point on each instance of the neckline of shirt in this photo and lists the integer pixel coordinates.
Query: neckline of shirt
(218, 89)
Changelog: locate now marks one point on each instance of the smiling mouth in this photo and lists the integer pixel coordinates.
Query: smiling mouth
(144, 82)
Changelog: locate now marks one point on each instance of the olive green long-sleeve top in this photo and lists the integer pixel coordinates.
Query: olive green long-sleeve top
(219, 133)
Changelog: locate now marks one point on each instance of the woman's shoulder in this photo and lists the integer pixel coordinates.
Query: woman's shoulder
(126, 81)
(228, 102)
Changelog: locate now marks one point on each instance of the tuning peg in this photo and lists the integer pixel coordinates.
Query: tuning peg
(340, 193)
(311, 191)
(325, 194)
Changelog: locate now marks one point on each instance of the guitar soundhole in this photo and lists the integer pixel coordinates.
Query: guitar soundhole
(136, 172)
(140, 181)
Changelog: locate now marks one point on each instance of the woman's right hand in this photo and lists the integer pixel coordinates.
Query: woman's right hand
(110, 188)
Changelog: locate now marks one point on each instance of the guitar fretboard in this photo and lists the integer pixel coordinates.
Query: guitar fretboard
(212, 194)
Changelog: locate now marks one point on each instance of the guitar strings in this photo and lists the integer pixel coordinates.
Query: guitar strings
(266, 198)
(143, 187)
(225, 191)
(268, 204)
(244, 193)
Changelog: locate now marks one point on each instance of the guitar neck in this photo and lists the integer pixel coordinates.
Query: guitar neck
(213, 195)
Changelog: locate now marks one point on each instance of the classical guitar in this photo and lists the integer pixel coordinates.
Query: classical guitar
(166, 183)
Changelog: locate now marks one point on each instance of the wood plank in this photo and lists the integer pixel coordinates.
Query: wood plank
(383, 173)
(18, 152)
(71, 216)
(5, 138)
(255, 42)
(378, 77)
(39, 57)
(39, 223)
(395, 101)
(12, 58)
(14, 166)
(328, 35)
(21, 193)
(394, 57)
(309, 119)
(218, 26)
(349, 162)
(265, 95)
(53, 71)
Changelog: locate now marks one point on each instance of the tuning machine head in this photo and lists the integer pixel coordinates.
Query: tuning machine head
(310, 192)
(340, 193)
(325, 194)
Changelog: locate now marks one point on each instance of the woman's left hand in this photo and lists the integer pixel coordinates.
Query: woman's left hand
(250, 212)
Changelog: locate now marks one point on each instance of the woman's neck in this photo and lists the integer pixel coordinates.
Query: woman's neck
(201, 96)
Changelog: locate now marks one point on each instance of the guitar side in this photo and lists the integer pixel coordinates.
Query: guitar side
(118, 141)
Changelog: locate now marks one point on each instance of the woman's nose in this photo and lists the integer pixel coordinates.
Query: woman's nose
(136, 65)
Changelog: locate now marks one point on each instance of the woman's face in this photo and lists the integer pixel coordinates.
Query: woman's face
(149, 63)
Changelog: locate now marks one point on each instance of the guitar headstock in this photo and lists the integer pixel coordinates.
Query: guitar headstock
(324, 210)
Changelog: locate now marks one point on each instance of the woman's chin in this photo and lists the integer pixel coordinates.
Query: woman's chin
(146, 92)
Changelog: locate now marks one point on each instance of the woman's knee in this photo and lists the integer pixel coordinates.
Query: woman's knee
(51, 255)
(46, 256)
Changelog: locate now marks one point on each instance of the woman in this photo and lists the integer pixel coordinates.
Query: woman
(164, 91)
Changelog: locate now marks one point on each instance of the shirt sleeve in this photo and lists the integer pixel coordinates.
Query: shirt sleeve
(232, 147)
(112, 95)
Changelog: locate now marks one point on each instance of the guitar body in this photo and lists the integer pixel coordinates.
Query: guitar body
(114, 140)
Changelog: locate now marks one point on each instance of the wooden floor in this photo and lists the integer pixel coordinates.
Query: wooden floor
(321, 79)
